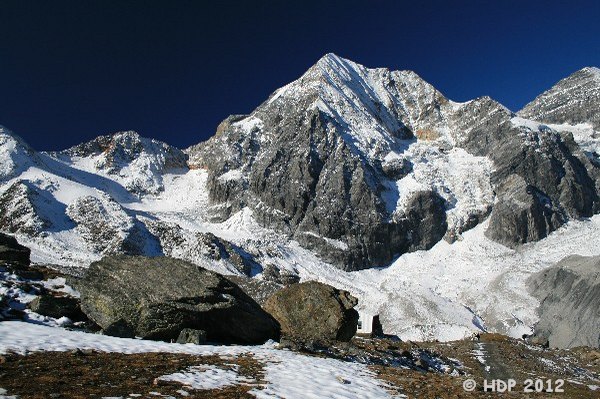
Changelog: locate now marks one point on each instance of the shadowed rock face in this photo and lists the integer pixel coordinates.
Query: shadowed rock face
(314, 312)
(570, 302)
(156, 298)
(12, 251)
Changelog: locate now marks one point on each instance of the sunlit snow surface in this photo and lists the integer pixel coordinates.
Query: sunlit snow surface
(287, 374)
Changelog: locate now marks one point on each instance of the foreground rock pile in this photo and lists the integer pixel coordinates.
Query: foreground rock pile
(156, 298)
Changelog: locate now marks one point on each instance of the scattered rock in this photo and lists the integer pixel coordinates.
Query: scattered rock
(314, 312)
(538, 340)
(221, 249)
(259, 290)
(191, 336)
(283, 277)
(156, 298)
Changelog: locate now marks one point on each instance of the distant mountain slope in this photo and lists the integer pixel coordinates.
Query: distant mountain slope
(138, 162)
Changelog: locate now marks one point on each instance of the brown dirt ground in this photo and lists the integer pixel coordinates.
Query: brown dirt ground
(95, 374)
(76, 375)
(520, 361)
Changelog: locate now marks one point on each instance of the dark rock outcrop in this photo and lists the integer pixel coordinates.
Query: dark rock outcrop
(541, 178)
(12, 251)
(314, 312)
(57, 307)
(109, 229)
(156, 298)
(570, 302)
(21, 209)
(522, 214)
(220, 249)
(280, 277)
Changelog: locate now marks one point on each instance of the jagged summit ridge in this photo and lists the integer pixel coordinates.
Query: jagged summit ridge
(374, 108)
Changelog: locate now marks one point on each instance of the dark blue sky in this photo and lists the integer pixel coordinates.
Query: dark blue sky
(172, 70)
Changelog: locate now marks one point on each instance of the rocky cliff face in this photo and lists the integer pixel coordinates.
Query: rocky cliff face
(574, 100)
(332, 160)
(570, 301)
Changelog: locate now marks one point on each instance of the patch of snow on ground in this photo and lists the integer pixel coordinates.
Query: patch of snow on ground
(205, 377)
(318, 377)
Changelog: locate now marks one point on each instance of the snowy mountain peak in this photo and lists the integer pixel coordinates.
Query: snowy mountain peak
(138, 161)
(372, 108)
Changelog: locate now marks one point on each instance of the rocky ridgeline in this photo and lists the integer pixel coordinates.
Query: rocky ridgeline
(140, 161)
(573, 100)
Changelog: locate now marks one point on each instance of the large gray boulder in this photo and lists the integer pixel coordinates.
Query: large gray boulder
(12, 251)
(570, 302)
(156, 298)
(314, 312)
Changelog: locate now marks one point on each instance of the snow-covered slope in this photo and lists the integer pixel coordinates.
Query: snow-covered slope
(137, 163)
(331, 168)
